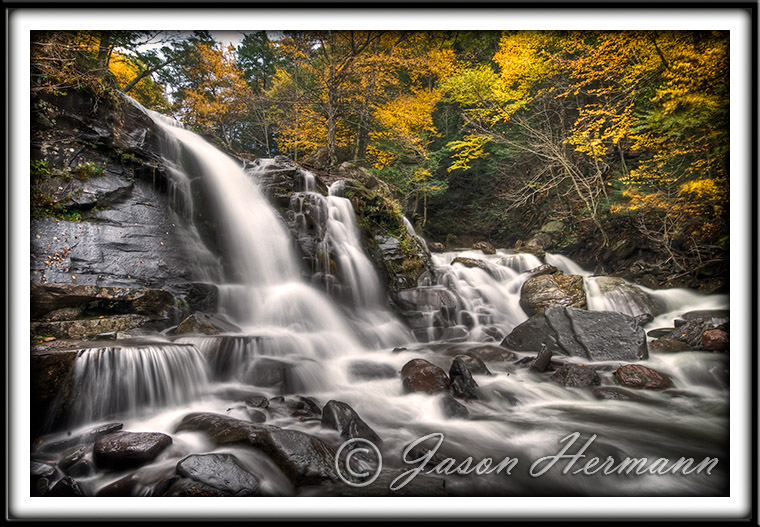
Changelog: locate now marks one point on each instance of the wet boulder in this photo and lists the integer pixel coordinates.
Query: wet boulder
(640, 377)
(303, 458)
(576, 376)
(340, 416)
(436, 247)
(222, 472)
(592, 335)
(462, 383)
(419, 375)
(129, 449)
(715, 340)
(541, 291)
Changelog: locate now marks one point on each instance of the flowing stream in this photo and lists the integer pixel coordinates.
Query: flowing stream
(314, 346)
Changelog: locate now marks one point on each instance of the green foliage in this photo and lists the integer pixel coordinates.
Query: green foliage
(87, 170)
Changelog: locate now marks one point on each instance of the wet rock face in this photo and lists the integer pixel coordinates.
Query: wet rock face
(542, 290)
(640, 377)
(419, 375)
(129, 449)
(222, 472)
(592, 335)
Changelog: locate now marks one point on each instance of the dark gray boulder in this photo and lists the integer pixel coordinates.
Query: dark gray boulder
(592, 335)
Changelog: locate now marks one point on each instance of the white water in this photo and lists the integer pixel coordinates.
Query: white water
(286, 319)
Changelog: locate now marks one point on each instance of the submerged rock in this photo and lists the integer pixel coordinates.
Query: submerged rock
(592, 335)
(222, 472)
(367, 370)
(129, 449)
(453, 409)
(418, 375)
(640, 377)
(275, 373)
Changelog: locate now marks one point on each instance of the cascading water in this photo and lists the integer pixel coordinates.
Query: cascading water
(295, 339)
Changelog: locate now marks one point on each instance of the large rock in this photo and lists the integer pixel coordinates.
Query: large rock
(129, 449)
(640, 377)
(544, 290)
(592, 335)
(418, 375)
(222, 472)
(339, 416)
(304, 459)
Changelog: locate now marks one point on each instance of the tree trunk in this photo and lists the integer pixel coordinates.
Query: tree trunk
(104, 49)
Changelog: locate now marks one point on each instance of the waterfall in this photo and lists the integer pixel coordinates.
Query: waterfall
(298, 340)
